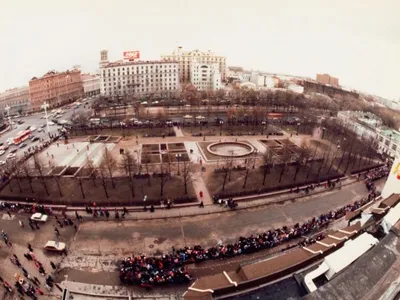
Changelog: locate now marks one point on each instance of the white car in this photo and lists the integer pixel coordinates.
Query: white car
(2, 162)
(2, 152)
(38, 217)
(50, 123)
(55, 246)
(11, 156)
(33, 128)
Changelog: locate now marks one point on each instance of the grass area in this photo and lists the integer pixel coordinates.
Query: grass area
(121, 195)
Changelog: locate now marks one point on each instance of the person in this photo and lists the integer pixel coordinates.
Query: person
(201, 204)
(152, 208)
(56, 231)
(52, 265)
(21, 223)
(30, 247)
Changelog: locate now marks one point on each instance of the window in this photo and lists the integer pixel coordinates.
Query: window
(387, 143)
(394, 147)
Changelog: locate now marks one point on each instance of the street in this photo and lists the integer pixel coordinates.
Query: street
(37, 120)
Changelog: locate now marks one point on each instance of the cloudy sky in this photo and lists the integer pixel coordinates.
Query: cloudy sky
(357, 41)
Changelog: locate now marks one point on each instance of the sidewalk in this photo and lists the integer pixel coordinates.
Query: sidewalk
(194, 210)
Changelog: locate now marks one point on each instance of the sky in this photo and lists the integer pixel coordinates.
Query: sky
(357, 41)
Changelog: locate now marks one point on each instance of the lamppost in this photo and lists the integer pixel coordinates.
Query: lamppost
(45, 105)
(8, 115)
(297, 132)
(178, 157)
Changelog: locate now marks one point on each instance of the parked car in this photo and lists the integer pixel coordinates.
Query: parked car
(35, 139)
(2, 152)
(38, 217)
(22, 145)
(51, 124)
(14, 150)
(11, 155)
(55, 246)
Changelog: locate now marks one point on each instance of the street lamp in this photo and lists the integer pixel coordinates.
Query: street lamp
(45, 105)
(178, 157)
(8, 115)
(297, 132)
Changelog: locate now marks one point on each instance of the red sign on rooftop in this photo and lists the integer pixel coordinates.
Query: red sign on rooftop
(131, 55)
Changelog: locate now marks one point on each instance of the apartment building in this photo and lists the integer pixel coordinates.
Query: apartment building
(16, 99)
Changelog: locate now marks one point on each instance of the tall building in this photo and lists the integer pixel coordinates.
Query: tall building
(140, 78)
(327, 79)
(91, 84)
(205, 76)
(55, 88)
(186, 58)
(103, 58)
(16, 99)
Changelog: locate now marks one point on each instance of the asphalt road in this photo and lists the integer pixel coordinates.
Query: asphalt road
(37, 120)
(100, 241)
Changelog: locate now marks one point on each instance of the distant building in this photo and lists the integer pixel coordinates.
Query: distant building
(389, 141)
(264, 80)
(205, 77)
(16, 99)
(91, 84)
(327, 79)
(103, 58)
(55, 88)
(311, 86)
(139, 78)
(363, 124)
(186, 58)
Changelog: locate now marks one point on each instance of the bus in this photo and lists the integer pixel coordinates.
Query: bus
(22, 136)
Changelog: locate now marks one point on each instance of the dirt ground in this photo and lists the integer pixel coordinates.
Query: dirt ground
(254, 181)
(121, 195)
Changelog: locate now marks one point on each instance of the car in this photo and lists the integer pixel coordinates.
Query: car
(38, 217)
(33, 128)
(50, 123)
(40, 130)
(22, 145)
(13, 150)
(21, 122)
(55, 246)
(11, 156)
(2, 162)
(34, 139)
(2, 152)
(28, 127)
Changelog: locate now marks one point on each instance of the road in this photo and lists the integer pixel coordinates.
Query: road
(37, 120)
(99, 245)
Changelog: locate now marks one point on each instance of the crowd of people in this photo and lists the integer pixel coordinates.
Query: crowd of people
(376, 174)
(26, 283)
(144, 271)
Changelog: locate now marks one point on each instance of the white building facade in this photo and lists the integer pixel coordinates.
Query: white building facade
(16, 99)
(389, 142)
(363, 124)
(205, 77)
(186, 58)
(91, 84)
(139, 78)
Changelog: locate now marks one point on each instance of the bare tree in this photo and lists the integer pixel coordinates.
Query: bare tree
(146, 161)
(80, 182)
(102, 170)
(128, 165)
(109, 163)
(268, 160)
(17, 171)
(91, 169)
(227, 168)
(248, 163)
(164, 177)
(286, 158)
(187, 174)
(302, 157)
(40, 169)
(25, 170)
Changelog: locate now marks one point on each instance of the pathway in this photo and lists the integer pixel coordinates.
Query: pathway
(178, 131)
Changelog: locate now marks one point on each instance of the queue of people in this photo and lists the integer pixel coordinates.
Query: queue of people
(148, 271)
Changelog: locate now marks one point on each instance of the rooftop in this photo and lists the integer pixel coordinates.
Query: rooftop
(55, 73)
(122, 63)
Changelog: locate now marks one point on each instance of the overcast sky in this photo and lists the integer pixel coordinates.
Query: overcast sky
(357, 41)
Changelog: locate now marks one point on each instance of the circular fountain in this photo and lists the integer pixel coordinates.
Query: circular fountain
(230, 149)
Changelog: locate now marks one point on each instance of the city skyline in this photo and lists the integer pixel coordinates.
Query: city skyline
(356, 42)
